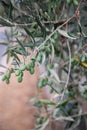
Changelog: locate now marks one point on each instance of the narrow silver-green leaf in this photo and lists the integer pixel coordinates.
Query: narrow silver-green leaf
(65, 34)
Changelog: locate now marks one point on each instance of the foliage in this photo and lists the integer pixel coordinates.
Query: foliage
(57, 32)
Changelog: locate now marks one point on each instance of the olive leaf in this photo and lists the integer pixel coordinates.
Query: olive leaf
(65, 34)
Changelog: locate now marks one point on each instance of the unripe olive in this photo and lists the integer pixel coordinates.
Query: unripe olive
(8, 75)
(46, 79)
(23, 67)
(51, 90)
(21, 74)
(33, 59)
(52, 40)
(40, 84)
(28, 66)
(49, 50)
(4, 78)
(17, 72)
(39, 58)
(32, 70)
(11, 70)
(43, 48)
(48, 73)
(44, 82)
(20, 79)
(39, 120)
(32, 63)
(55, 35)
(51, 66)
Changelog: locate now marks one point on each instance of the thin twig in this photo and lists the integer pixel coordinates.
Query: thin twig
(82, 114)
(56, 31)
(54, 22)
(69, 70)
(15, 24)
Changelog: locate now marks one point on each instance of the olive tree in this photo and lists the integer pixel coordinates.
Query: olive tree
(57, 32)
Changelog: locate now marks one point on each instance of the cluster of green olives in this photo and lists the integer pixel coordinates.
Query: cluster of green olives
(31, 65)
(46, 80)
(47, 48)
(6, 78)
(43, 82)
(19, 73)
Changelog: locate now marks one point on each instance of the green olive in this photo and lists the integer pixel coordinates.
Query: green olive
(51, 90)
(46, 79)
(47, 43)
(48, 73)
(40, 84)
(21, 74)
(39, 120)
(32, 70)
(32, 63)
(8, 75)
(49, 50)
(20, 79)
(11, 70)
(55, 35)
(4, 78)
(39, 58)
(51, 66)
(28, 66)
(33, 59)
(44, 82)
(52, 40)
(17, 72)
(43, 48)
(23, 68)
